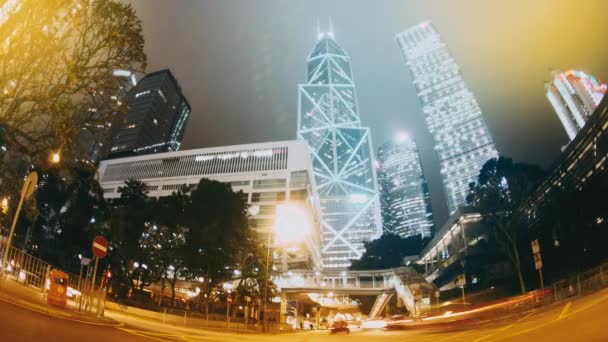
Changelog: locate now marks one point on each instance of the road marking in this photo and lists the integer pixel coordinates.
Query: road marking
(137, 333)
(116, 325)
(503, 328)
(565, 310)
(557, 320)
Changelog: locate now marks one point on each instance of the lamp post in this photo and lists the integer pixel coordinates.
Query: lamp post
(291, 225)
(266, 279)
(29, 185)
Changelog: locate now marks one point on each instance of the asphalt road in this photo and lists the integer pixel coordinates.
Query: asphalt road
(584, 319)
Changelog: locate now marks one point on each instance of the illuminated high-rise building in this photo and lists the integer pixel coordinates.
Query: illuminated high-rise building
(405, 199)
(343, 161)
(157, 117)
(462, 139)
(574, 95)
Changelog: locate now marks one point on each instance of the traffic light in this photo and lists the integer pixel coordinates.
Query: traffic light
(109, 274)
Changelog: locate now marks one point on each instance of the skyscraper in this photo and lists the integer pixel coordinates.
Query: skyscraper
(343, 163)
(157, 117)
(405, 199)
(462, 140)
(574, 95)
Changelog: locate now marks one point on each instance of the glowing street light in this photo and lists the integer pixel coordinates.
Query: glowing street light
(292, 224)
(55, 157)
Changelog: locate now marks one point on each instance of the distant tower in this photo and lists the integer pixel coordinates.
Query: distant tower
(406, 204)
(462, 140)
(343, 160)
(574, 95)
(157, 117)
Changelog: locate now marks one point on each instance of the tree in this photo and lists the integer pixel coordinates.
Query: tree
(69, 200)
(218, 227)
(128, 221)
(388, 251)
(499, 194)
(165, 239)
(57, 59)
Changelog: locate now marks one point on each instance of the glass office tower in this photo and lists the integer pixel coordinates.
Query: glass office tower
(343, 161)
(462, 140)
(405, 200)
(574, 95)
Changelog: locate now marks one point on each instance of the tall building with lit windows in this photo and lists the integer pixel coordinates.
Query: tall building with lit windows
(574, 95)
(157, 117)
(343, 160)
(405, 198)
(462, 139)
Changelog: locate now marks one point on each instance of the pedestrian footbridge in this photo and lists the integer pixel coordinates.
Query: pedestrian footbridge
(410, 287)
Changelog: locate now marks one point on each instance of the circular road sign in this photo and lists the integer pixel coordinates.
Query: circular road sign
(100, 247)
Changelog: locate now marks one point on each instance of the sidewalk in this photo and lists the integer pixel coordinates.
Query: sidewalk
(32, 299)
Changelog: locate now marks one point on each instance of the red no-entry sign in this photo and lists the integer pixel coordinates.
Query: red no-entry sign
(100, 247)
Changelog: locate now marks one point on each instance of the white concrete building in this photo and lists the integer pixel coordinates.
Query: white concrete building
(269, 175)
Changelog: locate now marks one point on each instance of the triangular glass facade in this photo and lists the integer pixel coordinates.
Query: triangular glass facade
(328, 119)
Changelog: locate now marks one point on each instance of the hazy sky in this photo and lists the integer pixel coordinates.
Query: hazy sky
(239, 63)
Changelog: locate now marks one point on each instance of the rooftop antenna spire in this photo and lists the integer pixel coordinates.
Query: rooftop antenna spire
(319, 33)
(331, 28)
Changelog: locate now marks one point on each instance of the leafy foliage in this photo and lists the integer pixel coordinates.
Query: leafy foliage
(388, 251)
(499, 194)
(56, 63)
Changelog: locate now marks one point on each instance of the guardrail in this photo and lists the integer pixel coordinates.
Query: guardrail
(31, 272)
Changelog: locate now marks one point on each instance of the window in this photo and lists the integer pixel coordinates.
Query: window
(298, 195)
(173, 186)
(299, 179)
(267, 196)
(239, 183)
(269, 183)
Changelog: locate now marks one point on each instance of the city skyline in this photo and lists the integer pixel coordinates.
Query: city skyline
(254, 88)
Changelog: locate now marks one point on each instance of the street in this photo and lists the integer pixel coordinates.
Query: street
(578, 320)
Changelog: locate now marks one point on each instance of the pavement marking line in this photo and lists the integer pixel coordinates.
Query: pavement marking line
(557, 320)
(120, 324)
(138, 333)
(565, 310)
(503, 328)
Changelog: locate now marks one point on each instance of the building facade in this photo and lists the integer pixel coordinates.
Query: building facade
(574, 95)
(328, 119)
(462, 139)
(405, 198)
(157, 117)
(270, 175)
(584, 159)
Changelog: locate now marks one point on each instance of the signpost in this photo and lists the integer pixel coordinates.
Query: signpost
(538, 261)
(461, 281)
(100, 249)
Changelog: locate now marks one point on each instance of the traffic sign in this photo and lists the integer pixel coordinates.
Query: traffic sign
(461, 280)
(100, 247)
(535, 247)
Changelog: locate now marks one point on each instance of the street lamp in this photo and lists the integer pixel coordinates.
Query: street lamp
(291, 225)
(55, 157)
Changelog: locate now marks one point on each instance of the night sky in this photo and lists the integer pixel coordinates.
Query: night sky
(239, 63)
